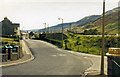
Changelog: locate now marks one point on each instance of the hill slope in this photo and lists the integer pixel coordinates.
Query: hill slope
(112, 20)
(93, 21)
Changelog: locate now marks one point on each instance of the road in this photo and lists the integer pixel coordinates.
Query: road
(49, 60)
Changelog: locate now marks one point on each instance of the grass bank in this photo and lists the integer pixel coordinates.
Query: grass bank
(91, 44)
(8, 41)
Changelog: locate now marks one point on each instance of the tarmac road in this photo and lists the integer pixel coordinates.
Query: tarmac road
(49, 60)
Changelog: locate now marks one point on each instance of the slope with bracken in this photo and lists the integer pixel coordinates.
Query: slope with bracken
(112, 20)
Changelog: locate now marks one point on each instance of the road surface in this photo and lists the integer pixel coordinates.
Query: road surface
(49, 60)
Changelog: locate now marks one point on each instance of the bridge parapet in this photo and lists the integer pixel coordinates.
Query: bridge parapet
(113, 62)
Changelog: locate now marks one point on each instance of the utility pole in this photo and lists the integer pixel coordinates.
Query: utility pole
(62, 30)
(102, 55)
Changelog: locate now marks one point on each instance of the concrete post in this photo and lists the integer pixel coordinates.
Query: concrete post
(10, 52)
(6, 54)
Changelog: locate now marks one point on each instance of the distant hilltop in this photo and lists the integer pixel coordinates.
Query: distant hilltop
(112, 20)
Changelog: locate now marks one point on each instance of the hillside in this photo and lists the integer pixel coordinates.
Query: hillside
(111, 22)
(73, 24)
(91, 22)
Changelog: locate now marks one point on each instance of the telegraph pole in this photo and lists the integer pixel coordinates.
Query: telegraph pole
(62, 29)
(102, 55)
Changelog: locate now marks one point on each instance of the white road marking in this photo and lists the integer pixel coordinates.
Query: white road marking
(54, 55)
(62, 54)
(59, 55)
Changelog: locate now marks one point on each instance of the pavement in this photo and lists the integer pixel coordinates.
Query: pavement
(87, 65)
(94, 70)
(27, 56)
(49, 60)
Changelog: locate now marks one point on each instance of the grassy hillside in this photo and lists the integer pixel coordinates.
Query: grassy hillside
(112, 25)
(84, 43)
(90, 44)
(112, 20)
(72, 24)
(8, 41)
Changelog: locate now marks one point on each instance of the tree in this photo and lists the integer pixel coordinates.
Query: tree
(91, 32)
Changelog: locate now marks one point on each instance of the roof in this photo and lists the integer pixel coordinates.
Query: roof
(16, 24)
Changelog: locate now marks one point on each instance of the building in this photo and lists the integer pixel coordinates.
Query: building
(31, 34)
(25, 35)
(0, 28)
(16, 28)
(9, 28)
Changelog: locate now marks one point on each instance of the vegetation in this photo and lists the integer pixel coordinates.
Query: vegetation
(91, 32)
(90, 26)
(90, 44)
(112, 21)
(85, 43)
(54, 38)
(8, 41)
(36, 35)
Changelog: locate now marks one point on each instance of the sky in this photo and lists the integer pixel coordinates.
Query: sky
(31, 14)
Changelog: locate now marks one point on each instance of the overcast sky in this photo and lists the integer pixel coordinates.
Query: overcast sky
(31, 14)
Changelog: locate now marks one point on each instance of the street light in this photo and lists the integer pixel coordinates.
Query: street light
(102, 55)
(48, 28)
(62, 29)
(45, 27)
(70, 26)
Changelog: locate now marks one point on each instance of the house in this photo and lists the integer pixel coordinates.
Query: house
(31, 34)
(9, 28)
(16, 28)
(25, 35)
(0, 28)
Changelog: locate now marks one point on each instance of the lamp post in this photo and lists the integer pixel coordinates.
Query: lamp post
(45, 27)
(62, 29)
(102, 55)
(48, 28)
(70, 26)
(45, 30)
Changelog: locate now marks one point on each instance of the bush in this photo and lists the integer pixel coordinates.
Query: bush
(91, 44)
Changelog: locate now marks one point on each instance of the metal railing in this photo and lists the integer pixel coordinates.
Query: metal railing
(11, 53)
